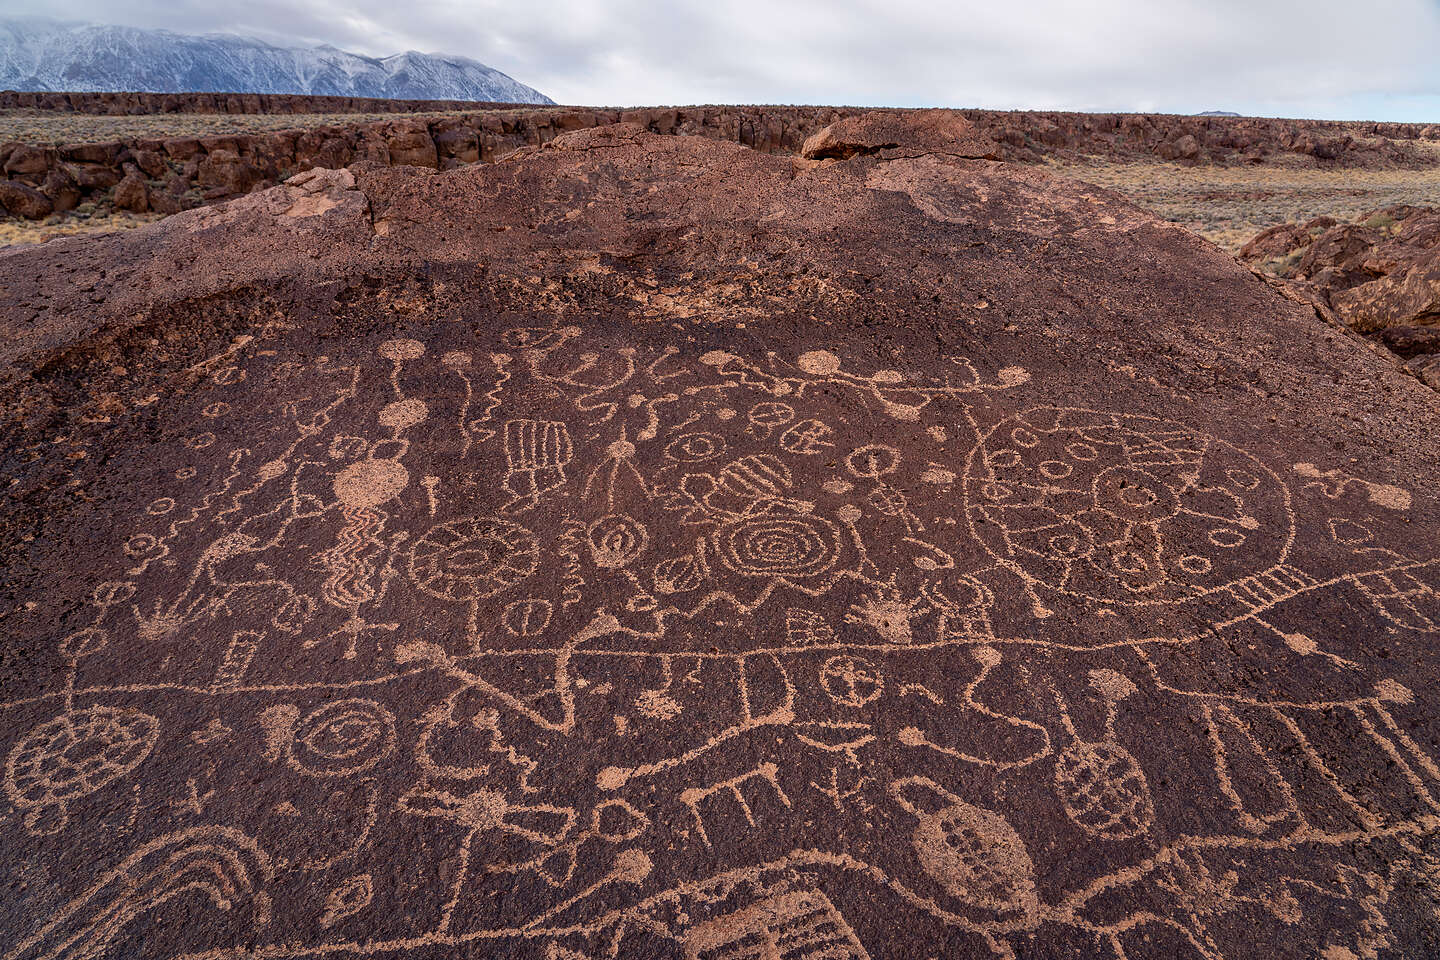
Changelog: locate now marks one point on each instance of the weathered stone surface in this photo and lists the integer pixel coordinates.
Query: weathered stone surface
(648, 547)
(1381, 272)
(22, 200)
(1409, 299)
(61, 188)
(900, 134)
(132, 193)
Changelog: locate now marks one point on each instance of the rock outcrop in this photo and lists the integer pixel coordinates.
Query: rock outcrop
(645, 546)
(220, 167)
(1380, 275)
(901, 134)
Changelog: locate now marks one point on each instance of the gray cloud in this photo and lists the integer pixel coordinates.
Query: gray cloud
(1317, 58)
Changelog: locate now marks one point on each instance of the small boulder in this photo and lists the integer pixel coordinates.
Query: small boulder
(1411, 299)
(61, 188)
(1277, 241)
(132, 194)
(410, 145)
(92, 176)
(26, 159)
(151, 162)
(901, 134)
(23, 200)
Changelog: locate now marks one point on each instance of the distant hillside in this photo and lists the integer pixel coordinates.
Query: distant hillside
(38, 54)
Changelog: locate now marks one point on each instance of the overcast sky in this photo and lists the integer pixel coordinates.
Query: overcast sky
(1342, 59)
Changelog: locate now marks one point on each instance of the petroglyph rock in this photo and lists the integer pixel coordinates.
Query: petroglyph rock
(648, 546)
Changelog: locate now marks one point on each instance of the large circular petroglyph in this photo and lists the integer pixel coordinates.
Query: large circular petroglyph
(1122, 508)
(73, 756)
(473, 558)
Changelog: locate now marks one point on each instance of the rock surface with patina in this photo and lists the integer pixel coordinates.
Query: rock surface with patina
(650, 547)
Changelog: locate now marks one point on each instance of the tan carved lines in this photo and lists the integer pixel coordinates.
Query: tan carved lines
(845, 738)
(766, 773)
(476, 431)
(1403, 598)
(1122, 509)
(696, 447)
(793, 926)
(972, 853)
(806, 628)
(631, 866)
(1333, 483)
(1100, 783)
(851, 681)
(483, 727)
(242, 649)
(348, 899)
(559, 693)
(989, 658)
(617, 476)
(341, 738)
(483, 811)
(874, 462)
(613, 822)
(1220, 720)
(780, 713)
(888, 614)
(616, 541)
(465, 561)
(72, 756)
(223, 865)
(889, 389)
(354, 564)
(279, 465)
(596, 374)
(536, 454)
(807, 437)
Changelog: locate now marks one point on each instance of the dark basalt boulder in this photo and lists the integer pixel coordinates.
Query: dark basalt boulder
(646, 546)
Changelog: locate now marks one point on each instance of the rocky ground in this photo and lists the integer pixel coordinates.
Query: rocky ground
(166, 153)
(1379, 274)
(646, 546)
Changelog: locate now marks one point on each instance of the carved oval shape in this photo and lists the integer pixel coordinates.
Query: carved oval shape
(1104, 790)
(977, 857)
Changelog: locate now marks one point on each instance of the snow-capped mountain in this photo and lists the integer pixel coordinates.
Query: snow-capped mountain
(37, 54)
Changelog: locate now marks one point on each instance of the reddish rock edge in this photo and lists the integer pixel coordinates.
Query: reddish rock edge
(129, 358)
(167, 175)
(1379, 275)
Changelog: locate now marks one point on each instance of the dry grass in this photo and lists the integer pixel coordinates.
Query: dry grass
(19, 232)
(1229, 205)
(46, 127)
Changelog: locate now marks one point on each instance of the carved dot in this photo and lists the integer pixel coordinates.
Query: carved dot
(369, 483)
(403, 414)
(819, 362)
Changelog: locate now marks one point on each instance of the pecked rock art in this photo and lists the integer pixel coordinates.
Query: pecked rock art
(544, 638)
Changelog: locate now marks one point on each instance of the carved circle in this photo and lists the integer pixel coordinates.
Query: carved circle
(344, 737)
(1122, 508)
(474, 558)
(76, 754)
(786, 545)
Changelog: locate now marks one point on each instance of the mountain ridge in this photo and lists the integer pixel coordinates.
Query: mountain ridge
(50, 55)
